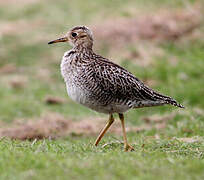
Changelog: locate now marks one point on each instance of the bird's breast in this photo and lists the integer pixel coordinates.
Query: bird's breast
(71, 74)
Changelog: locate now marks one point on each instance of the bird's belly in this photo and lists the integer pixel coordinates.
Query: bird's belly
(81, 96)
(76, 94)
(110, 108)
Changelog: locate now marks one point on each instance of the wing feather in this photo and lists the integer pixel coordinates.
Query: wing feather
(119, 85)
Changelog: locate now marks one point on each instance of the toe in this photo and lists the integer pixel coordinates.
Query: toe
(129, 148)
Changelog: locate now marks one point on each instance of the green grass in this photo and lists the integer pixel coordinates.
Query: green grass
(75, 157)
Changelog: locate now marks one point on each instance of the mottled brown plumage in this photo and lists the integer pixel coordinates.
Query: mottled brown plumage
(102, 85)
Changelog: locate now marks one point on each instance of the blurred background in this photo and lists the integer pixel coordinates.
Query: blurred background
(159, 41)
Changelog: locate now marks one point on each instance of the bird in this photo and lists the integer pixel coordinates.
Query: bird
(102, 85)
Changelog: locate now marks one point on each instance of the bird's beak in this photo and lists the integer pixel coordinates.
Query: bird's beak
(63, 39)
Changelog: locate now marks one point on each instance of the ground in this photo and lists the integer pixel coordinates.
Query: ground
(43, 134)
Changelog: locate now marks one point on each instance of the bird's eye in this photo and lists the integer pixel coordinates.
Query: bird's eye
(74, 34)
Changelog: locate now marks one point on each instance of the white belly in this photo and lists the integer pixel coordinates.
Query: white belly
(81, 97)
(76, 94)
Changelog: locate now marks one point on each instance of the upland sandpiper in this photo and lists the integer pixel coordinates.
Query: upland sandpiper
(101, 85)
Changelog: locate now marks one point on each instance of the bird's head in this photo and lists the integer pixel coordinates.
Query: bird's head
(77, 36)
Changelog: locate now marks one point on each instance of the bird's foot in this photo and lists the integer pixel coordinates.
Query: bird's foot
(128, 148)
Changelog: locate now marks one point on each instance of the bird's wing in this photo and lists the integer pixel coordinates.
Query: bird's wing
(119, 85)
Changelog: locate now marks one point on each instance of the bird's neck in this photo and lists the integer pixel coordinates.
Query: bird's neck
(82, 48)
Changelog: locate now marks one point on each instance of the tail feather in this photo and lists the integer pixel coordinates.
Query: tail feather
(154, 98)
(174, 103)
(168, 100)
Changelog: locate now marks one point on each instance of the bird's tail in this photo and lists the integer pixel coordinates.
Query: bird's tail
(168, 100)
(174, 103)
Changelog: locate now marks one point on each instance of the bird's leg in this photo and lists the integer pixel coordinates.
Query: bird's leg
(110, 122)
(127, 147)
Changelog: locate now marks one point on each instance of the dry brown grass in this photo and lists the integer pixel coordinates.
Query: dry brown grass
(54, 100)
(54, 125)
(17, 2)
(158, 118)
(146, 32)
(19, 26)
(8, 68)
(162, 26)
(189, 139)
(50, 126)
(14, 81)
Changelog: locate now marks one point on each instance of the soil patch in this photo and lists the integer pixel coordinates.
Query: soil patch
(162, 26)
(54, 125)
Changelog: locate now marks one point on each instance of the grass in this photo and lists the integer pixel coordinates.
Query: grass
(29, 26)
(77, 158)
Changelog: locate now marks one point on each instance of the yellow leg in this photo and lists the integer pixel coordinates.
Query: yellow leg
(127, 147)
(110, 122)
